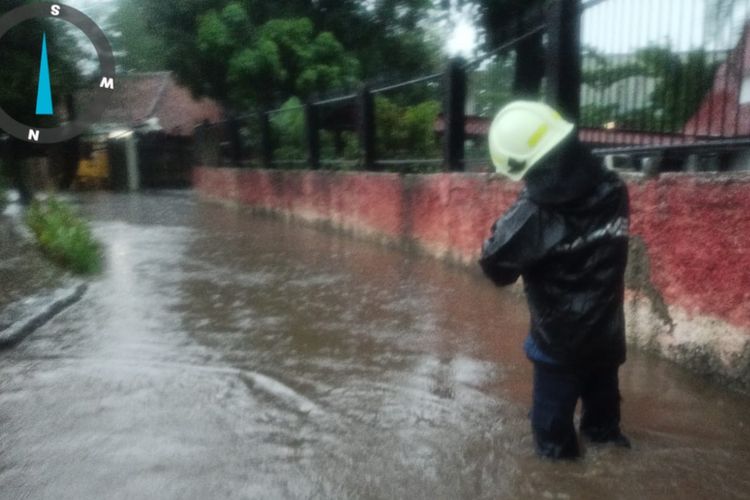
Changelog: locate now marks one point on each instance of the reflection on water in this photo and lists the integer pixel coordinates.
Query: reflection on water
(225, 355)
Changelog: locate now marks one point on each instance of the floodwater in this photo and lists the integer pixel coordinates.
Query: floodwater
(227, 355)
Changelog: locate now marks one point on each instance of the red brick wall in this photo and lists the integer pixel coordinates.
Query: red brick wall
(697, 233)
(696, 228)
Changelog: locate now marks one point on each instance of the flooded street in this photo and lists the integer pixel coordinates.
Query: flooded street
(228, 355)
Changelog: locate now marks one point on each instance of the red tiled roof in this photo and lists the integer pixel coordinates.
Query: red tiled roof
(475, 126)
(141, 96)
(478, 127)
(720, 113)
(179, 112)
(613, 137)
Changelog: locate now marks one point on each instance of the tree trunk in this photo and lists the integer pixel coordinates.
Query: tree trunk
(16, 162)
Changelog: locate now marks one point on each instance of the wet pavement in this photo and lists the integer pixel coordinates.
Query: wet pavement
(227, 355)
(24, 271)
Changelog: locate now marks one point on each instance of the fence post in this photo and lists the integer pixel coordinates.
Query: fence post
(266, 140)
(313, 136)
(454, 115)
(14, 167)
(564, 57)
(71, 150)
(366, 127)
(199, 142)
(235, 144)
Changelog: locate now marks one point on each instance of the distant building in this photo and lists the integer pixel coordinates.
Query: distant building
(725, 111)
(155, 102)
(144, 137)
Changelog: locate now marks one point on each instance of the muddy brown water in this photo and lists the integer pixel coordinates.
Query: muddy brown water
(228, 355)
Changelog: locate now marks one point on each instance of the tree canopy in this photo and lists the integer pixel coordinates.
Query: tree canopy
(680, 83)
(137, 48)
(283, 56)
(237, 51)
(505, 20)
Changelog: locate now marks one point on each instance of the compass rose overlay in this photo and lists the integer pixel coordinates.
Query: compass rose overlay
(106, 81)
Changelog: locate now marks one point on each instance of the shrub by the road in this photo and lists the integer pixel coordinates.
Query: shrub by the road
(64, 236)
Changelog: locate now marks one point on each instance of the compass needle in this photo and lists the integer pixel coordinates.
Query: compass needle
(44, 91)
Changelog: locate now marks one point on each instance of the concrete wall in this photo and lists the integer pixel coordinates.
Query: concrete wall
(689, 273)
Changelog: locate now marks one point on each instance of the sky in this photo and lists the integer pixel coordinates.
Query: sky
(622, 26)
(96, 9)
(99, 11)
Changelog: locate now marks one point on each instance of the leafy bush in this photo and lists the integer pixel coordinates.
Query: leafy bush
(403, 133)
(407, 133)
(345, 147)
(288, 127)
(64, 237)
(289, 130)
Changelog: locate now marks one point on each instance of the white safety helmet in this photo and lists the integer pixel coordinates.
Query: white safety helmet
(522, 133)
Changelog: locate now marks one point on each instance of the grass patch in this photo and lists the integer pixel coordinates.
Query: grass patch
(64, 236)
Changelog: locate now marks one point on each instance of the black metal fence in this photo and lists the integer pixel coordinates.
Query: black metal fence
(668, 78)
(405, 115)
(642, 78)
(418, 125)
(490, 81)
(337, 132)
(394, 126)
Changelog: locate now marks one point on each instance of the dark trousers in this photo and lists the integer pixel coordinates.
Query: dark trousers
(556, 392)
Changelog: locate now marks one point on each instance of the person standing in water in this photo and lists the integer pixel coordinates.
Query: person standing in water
(567, 236)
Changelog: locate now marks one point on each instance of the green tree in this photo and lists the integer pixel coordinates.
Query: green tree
(283, 57)
(138, 49)
(406, 131)
(505, 20)
(220, 48)
(681, 82)
(385, 36)
(288, 126)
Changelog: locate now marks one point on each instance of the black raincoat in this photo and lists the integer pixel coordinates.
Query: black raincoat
(567, 235)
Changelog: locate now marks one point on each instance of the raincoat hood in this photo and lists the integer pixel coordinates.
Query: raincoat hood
(568, 173)
(567, 235)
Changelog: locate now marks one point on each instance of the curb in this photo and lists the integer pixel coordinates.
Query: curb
(29, 323)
